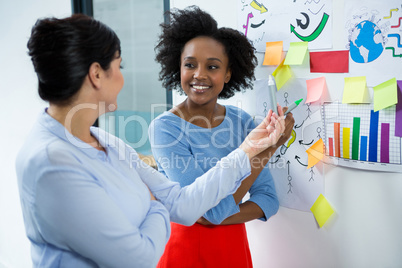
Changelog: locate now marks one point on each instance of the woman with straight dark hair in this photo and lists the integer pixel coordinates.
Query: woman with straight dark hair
(87, 199)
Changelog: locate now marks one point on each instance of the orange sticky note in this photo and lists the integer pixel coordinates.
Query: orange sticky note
(315, 89)
(315, 153)
(282, 74)
(273, 53)
(322, 210)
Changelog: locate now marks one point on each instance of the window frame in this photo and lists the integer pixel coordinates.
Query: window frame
(86, 7)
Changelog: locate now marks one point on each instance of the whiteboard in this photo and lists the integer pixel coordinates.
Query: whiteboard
(365, 231)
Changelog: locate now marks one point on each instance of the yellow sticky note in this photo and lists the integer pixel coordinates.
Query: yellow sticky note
(385, 94)
(315, 153)
(273, 53)
(322, 210)
(296, 53)
(355, 90)
(315, 89)
(282, 74)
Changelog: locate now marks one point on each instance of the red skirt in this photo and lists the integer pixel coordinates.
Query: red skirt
(201, 246)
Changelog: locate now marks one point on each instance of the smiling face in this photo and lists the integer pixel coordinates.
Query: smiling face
(203, 69)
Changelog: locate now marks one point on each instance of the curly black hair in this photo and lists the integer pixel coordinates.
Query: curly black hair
(192, 22)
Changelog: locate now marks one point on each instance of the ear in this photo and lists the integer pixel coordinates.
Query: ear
(95, 73)
(228, 75)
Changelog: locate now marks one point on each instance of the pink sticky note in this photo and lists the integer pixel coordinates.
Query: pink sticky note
(315, 89)
(398, 115)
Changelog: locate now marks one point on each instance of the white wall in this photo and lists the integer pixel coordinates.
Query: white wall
(19, 108)
(366, 230)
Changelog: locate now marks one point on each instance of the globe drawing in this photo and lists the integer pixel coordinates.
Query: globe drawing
(366, 42)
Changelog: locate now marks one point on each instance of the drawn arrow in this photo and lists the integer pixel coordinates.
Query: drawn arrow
(301, 142)
(277, 159)
(399, 23)
(393, 52)
(390, 13)
(249, 16)
(297, 158)
(298, 126)
(258, 6)
(316, 32)
(398, 37)
(257, 25)
(300, 24)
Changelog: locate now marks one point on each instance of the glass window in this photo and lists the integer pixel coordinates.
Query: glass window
(142, 97)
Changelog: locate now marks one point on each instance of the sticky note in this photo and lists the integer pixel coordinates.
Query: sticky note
(322, 210)
(385, 95)
(398, 115)
(355, 90)
(296, 53)
(273, 53)
(329, 61)
(315, 89)
(282, 74)
(315, 153)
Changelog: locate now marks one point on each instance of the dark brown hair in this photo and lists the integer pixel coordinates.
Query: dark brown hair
(62, 50)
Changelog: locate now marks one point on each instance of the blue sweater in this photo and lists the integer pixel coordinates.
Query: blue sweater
(184, 151)
(87, 208)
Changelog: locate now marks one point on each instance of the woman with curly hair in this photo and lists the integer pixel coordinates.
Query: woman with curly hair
(206, 63)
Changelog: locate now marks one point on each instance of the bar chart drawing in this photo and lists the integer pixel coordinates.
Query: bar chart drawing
(358, 137)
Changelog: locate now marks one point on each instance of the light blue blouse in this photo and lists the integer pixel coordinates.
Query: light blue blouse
(181, 148)
(86, 208)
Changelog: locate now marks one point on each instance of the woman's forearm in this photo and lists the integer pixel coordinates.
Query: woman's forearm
(248, 211)
(257, 165)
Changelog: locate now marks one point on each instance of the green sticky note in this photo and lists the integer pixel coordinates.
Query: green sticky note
(322, 210)
(355, 90)
(385, 94)
(282, 74)
(296, 53)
